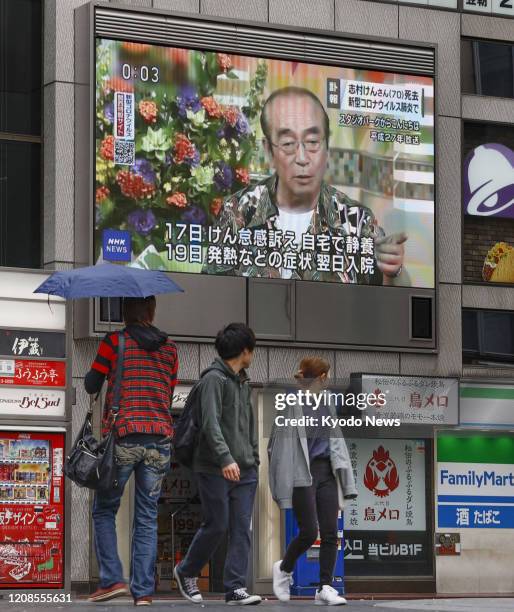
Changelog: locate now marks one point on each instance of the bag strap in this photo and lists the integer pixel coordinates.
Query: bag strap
(93, 402)
(119, 374)
(197, 389)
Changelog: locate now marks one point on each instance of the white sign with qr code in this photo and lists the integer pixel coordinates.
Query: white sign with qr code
(124, 152)
(124, 115)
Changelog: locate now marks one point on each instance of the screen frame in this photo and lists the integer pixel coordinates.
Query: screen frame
(86, 75)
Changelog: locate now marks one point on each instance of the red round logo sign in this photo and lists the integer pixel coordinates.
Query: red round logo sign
(381, 475)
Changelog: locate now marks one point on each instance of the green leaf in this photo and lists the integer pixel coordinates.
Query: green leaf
(232, 75)
(154, 262)
(138, 243)
(106, 207)
(178, 266)
(155, 140)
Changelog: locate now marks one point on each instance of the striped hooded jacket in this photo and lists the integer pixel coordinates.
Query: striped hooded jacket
(150, 366)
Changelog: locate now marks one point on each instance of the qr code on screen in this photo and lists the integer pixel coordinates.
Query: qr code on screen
(124, 152)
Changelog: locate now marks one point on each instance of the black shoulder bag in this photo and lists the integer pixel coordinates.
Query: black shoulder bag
(91, 463)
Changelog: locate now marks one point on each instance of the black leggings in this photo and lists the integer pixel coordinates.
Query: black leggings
(317, 504)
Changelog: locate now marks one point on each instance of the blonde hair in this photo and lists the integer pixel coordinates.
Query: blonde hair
(311, 368)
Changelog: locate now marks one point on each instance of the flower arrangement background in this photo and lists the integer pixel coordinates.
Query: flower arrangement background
(191, 151)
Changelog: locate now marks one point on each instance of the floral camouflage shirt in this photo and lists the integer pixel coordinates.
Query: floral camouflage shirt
(339, 246)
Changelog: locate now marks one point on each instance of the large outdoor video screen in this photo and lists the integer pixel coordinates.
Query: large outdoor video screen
(214, 163)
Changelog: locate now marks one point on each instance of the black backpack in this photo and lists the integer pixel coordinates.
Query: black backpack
(187, 427)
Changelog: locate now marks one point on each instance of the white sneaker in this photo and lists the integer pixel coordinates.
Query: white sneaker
(328, 596)
(281, 582)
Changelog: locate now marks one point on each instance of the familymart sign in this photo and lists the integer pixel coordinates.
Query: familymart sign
(475, 481)
(486, 404)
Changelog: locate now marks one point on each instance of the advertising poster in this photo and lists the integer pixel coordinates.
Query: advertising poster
(488, 200)
(18, 401)
(32, 373)
(475, 480)
(33, 344)
(227, 164)
(413, 399)
(368, 553)
(390, 477)
(31, 510)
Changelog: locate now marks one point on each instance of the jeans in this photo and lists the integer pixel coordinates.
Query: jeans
(226, 505)
(317, 504)
(150, 462)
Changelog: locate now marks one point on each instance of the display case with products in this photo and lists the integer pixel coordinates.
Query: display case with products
(31, 509)
(24, 471)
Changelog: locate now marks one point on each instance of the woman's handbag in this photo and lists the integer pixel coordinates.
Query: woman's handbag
(91, 463)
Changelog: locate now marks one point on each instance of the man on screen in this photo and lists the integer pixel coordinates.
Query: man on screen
(312, 231)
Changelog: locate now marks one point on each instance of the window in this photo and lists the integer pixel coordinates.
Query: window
(488, 185)
(20, 133)
(487, 337)
(488, 68)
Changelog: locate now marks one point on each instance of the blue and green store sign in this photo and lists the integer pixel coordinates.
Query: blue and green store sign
(475, 480)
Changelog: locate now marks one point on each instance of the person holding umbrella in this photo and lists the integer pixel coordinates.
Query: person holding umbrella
(142, 424)
(143, 427)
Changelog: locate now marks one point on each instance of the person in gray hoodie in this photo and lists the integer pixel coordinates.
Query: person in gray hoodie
(310, 471)
(225, 463)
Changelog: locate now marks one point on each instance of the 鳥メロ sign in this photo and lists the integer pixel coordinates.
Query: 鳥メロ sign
(390, 477)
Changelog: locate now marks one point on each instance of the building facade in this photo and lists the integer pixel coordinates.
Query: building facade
(471, 110)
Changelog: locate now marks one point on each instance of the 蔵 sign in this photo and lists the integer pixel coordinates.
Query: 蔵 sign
(34, 344)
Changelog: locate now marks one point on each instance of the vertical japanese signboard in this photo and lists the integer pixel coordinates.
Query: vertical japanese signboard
(31, 510)
(390, 476)
(475, 482)
(386, 530)
(32, 373)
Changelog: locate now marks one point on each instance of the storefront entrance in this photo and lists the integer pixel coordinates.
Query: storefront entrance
(389, 528)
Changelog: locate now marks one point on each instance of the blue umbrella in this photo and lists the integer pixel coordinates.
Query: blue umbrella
(108, 280)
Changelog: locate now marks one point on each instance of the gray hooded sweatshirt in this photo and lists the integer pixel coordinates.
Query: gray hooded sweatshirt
(228, 433)
(289, 464)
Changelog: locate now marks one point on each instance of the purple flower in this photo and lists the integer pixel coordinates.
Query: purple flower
(221, 133)
(144, 168)
(142, 221)
(194, 214)
(188, 99)
(109, 112)
(242, 125)
(223, 177)
(194, 161)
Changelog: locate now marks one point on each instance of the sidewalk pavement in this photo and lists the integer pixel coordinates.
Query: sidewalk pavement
(498, 604)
